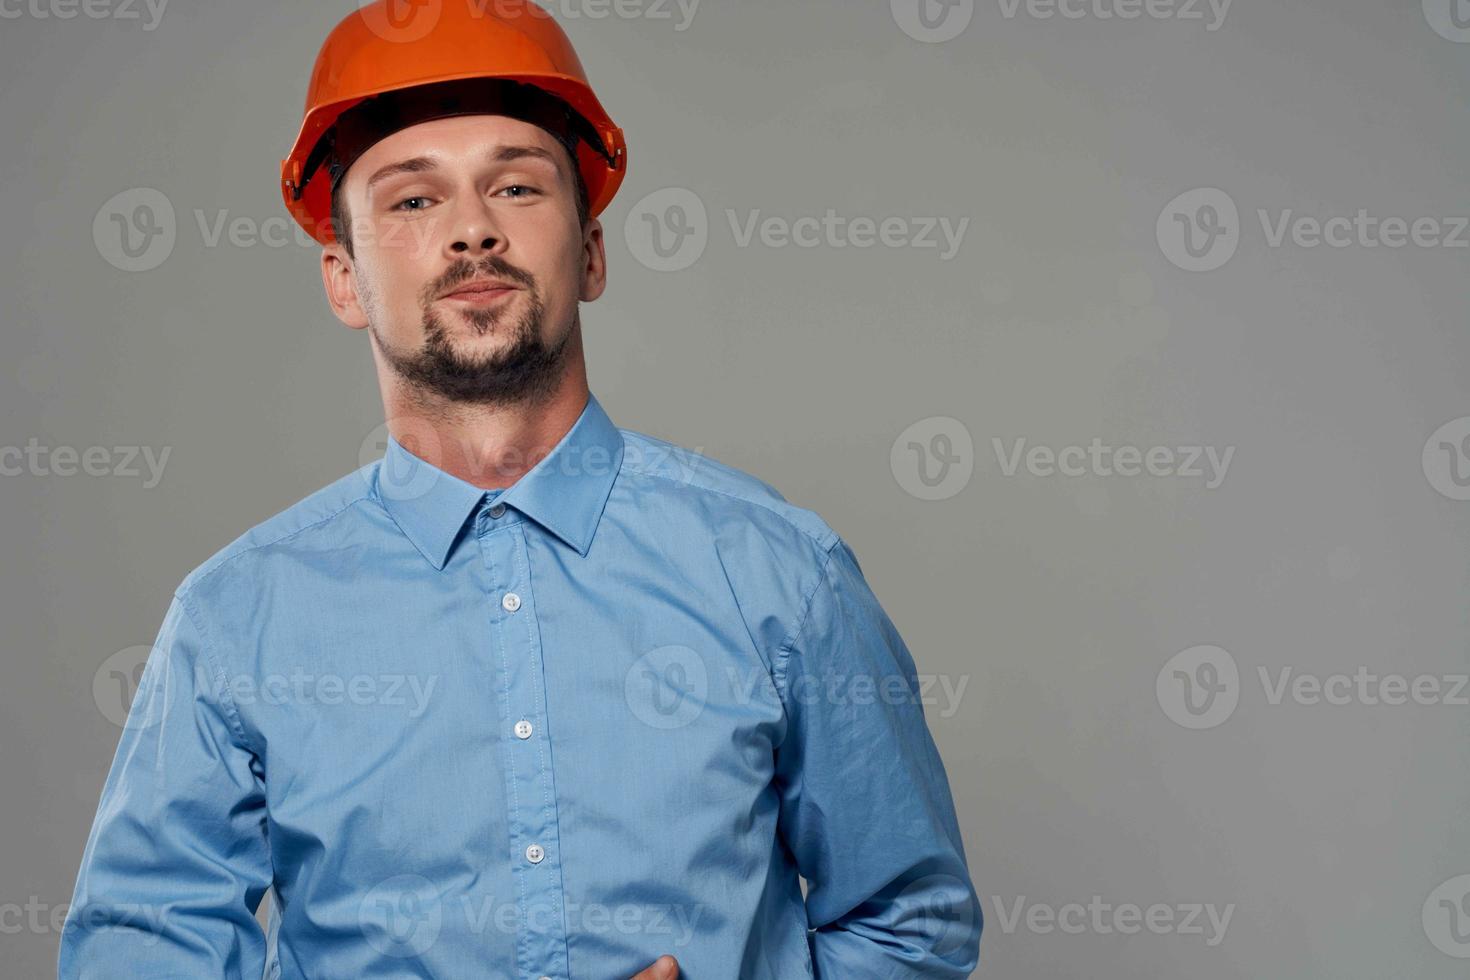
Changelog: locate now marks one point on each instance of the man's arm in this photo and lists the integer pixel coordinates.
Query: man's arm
(177, 860)
(865, 805)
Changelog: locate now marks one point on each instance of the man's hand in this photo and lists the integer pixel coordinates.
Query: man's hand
(663, 968)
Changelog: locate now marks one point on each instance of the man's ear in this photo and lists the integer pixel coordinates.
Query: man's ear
(341, 286)
(594, 262)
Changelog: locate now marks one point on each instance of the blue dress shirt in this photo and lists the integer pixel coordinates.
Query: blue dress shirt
(550, 731)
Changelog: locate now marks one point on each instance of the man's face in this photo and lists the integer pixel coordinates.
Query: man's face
(441, 207)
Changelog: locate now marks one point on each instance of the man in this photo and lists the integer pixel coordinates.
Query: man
(532, 695)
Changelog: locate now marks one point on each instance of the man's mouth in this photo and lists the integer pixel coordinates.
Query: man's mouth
(480, 291)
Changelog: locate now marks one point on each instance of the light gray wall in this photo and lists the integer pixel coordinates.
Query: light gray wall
(1052, 605)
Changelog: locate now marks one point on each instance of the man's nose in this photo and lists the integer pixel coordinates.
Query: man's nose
(474, 230)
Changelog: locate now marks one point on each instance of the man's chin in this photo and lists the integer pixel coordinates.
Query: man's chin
(473, 334)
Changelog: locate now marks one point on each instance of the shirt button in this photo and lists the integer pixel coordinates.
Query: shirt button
(511, 602)
(523, 729)
(497, 510)
(534, 853)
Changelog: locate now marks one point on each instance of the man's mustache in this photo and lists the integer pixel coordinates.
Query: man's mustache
(465, 271)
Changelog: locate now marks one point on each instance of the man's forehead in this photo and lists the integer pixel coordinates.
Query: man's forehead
(438, 137)
(427, 145)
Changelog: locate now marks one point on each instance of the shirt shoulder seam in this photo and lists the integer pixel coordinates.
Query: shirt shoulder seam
(210, 571)
(825, 542)
(206, 641)
(783, 652)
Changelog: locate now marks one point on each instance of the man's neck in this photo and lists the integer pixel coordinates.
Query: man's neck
(490, 446)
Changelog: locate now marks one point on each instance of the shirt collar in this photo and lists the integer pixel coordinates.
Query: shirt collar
(565, 491)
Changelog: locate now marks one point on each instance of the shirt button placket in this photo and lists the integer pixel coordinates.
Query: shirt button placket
(531, 792)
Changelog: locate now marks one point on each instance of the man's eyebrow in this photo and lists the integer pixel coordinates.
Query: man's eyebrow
(507, 153)
(411, 166)
(417, 165)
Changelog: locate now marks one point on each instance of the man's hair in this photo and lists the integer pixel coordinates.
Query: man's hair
(342, 219)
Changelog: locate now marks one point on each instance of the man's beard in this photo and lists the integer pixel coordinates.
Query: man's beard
(525, 370)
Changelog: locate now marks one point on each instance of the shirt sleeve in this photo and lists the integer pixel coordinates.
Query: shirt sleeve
(866, 809)
(177, 860)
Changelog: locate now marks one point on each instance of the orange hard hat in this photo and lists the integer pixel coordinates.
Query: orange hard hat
(404, 45)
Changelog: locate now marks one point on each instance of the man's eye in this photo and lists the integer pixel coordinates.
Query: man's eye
(522, 187)
(400, 206)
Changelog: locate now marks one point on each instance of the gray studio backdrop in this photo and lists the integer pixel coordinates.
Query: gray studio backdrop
(1125, 341)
